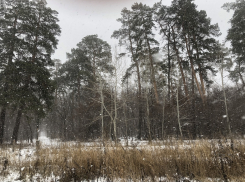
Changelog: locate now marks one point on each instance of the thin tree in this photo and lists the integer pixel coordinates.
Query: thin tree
(225, 64)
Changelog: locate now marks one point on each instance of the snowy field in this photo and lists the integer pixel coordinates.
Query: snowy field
(21, 163)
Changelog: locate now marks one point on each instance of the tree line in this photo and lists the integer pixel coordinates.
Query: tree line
(167, 90)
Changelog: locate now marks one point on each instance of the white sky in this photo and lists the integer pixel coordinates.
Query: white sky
(79, 18)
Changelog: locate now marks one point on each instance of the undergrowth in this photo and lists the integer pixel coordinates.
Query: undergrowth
(197, 160)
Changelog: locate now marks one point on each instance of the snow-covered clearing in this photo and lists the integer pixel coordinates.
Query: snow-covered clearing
(55, 159)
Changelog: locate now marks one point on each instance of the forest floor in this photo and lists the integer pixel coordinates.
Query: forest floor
(168, 160)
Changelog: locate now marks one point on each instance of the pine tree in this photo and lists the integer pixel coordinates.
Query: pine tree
(131, 39)
(11, 45)
(35, 88)
(236, 35)
(83, 75)
(98, 52)
(28, 37)
(174, 45)
(143, 24)
(197, 34)
(76, 73)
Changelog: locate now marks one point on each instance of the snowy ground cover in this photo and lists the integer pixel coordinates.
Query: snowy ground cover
(169, 160)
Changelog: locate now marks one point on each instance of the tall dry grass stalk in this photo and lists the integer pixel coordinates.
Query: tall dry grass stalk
(174, 159)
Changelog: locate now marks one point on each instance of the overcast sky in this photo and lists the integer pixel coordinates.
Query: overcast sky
(79, 18)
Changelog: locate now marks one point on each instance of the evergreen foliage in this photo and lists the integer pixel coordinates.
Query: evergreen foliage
(236, 35)
(28, 34)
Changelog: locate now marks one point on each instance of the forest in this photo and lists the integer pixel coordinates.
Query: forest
(172, 54)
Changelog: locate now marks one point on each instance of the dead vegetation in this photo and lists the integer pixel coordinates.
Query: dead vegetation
(173, 160)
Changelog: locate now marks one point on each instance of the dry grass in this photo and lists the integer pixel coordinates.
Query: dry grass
(173, 160)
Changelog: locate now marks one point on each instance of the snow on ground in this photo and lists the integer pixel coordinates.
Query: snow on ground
(27, 153)
(14, 177)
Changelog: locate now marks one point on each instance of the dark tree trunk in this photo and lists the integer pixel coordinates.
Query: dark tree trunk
(31, 133)
(180, 65)
(169, 70)
(2, 123)
(17, 125)
(193, 69)
(169, 58)
(140, 104)
(194, 108)
(153, 78)
(139, 90)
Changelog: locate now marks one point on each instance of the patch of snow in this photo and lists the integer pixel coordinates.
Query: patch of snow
(45, 140)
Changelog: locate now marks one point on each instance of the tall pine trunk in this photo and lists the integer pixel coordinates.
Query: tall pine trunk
(102, 110)
(169, 58)
(178, 110)
(17, 125)
(2, 123)
(152, 71)
(148, 116)
(193, 71)
(180, 65)
(200, 70)
(169, 66)
(163, 115)
(115, 112)
(125, 121)
(139, 103)
(225, 101)
(193, 108)
(139, 89)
